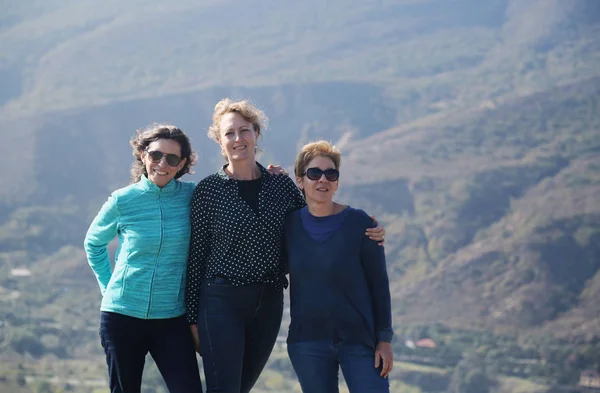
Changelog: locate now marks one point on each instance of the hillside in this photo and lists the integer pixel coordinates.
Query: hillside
(498, 210)
(420, 52)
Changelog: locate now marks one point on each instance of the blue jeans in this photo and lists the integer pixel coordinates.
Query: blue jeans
(126, 341)
(317, 366)
(237, 328)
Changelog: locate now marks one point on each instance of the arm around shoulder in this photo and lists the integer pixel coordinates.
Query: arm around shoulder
(375, 268)
(297, 199)
(199, 249)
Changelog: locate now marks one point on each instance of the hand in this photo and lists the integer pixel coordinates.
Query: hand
(384, 355)
(194, 330)
(377, 233)
(276, 170)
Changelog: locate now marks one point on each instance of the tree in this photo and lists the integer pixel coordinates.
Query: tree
(25, 342)
(21, 381)
(470, 376)
(44, 387)
(476, 381)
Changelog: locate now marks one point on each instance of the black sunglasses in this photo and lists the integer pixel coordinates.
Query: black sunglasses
(316, 173)
(172, 159)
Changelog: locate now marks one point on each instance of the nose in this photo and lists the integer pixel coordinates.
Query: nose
(163, 161)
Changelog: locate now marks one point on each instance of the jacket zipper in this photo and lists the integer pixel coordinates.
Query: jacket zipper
(157, 255)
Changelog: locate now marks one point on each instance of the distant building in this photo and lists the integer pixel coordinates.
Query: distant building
(20, 272)
(590, 379)
(426, 343)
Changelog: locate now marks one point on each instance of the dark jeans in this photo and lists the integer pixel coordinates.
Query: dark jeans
(237, 327)
(127, 340)
(317, 366)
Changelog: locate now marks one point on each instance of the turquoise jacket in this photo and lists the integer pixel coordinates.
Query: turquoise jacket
(153, 227)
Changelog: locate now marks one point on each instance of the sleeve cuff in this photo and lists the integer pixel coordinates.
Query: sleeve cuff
(385, 335)
(191, 321)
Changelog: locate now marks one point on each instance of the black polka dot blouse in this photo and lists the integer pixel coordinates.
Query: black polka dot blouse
(228, 239)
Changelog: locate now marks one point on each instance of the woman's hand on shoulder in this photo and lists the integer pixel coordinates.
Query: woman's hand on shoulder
(276, 170)
(377, 234)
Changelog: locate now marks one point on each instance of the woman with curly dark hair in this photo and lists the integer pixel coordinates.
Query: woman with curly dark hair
(143, 306)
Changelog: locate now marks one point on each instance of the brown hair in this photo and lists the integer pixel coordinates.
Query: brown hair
(248, 111)
(154, 132)
(316, 149)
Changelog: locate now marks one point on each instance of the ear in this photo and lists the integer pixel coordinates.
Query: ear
(181, 164)
(223, 150)
(300, 182)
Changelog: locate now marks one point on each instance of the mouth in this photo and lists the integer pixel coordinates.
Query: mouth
(159, 173)
(238, 148)
(322, 189)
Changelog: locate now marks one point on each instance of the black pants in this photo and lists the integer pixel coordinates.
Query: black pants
(237, 327)
(127, 340)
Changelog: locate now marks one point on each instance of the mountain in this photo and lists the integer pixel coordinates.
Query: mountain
(498, 211)
(470, 129)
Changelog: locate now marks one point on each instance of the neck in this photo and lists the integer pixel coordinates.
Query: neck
(245, 170)
(321, 209)
(147, 178)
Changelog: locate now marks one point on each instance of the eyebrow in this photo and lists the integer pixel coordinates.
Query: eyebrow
(239, 128)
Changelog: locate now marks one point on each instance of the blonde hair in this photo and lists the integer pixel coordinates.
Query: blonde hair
(316, 149)
(248, 111)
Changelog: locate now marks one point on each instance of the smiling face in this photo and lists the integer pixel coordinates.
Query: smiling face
(160, 173)
(321, 190)
(237, 137)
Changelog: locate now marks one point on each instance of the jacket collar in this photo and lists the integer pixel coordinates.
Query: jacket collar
(147, 185)
(223, 175)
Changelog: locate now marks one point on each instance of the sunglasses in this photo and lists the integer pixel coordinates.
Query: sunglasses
(316, 173)
(172, 159)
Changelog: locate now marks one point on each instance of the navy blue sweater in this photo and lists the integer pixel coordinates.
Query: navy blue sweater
(339, 287)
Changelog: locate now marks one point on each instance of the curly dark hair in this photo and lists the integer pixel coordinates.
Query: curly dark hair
(154, 132)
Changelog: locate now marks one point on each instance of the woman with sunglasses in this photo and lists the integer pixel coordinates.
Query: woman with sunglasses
(235, 279)
(339, 289)
(142, 308)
